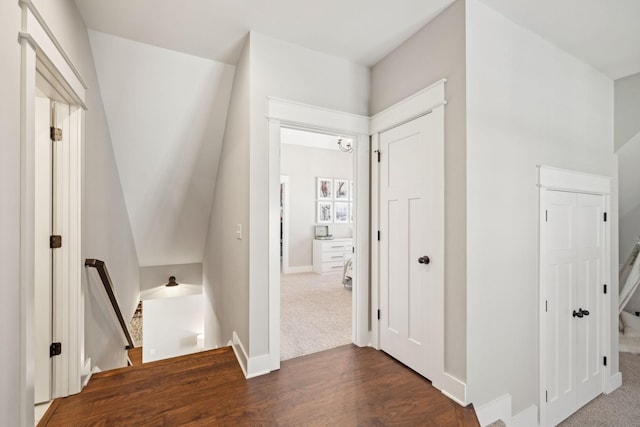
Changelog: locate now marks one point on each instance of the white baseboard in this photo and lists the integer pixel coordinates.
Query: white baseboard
(251, 366)
(298, 269)
(614, 382)
(499, 409)
(453, 388)
(526, 418)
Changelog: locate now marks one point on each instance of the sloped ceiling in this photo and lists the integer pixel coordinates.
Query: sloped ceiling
(166, 113)
(603, 33)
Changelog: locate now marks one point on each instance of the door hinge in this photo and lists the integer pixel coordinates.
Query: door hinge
(546, 306)
(605, 217)
(353, 249)
(55, 242)
(546, 395)
(56, 134)
(604, 360)
(378, 235)
(546, 216)
(55, 349)
(378, 314)
(605, 288)
(378, 153)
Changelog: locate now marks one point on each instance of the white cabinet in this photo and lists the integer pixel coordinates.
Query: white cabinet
(330, 255)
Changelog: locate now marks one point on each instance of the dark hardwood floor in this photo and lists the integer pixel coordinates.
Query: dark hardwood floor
(346, 386)
(135, 356)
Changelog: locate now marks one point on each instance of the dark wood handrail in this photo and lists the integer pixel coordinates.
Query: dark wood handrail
(108, 286)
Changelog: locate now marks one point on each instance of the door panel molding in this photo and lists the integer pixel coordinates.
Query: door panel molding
(589, 195)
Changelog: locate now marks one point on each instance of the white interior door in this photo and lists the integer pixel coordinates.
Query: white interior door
(411, 257)
(572, 274)
(43, 265)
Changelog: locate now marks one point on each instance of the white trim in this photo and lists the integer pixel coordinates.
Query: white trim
(613, 382)
(299, 269)
(251, 366)
(453, 388)
(556, 179)
(410, 108)
(499, 409)
(429, 100)
(526, 418)
(284, 182)
(303, 116)
(42, 54)
(552, 178)
(238, 349)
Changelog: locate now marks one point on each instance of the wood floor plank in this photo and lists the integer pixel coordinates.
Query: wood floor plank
(347, 386)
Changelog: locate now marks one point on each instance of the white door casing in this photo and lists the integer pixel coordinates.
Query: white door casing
(574, 253)
(44, 62)
(42, 253)
(408, 230)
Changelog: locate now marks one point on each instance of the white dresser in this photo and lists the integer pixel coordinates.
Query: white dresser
(330, 255)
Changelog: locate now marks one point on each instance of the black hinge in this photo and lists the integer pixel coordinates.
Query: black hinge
(604, 360)
(55, 349)
(353, 249)
(55, 242)
(605, 288)
(378, 235)
(546, 306)
(605, 217)
(56, 134)
(378, 153)
(546, 216)
(378, 314)
(546, 395)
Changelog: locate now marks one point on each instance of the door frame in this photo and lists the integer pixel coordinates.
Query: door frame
(45, 63)
(550, 178)
(312, 118)
(428, 99)
(284, 182)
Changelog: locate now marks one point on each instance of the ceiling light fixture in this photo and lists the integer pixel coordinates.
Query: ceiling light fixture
(172, 281)
(345, 145)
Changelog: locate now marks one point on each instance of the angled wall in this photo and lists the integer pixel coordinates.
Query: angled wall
(106, 230)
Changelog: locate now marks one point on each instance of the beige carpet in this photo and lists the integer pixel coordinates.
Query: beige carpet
(315, 313)
(618, 409)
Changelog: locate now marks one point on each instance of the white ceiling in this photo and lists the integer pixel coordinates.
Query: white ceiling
(604, 33)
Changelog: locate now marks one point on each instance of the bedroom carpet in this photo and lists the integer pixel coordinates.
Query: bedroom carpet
(315, 313)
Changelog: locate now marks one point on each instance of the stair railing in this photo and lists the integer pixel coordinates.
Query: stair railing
(108, 287)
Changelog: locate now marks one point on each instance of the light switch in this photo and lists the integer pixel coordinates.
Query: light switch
(239, 231)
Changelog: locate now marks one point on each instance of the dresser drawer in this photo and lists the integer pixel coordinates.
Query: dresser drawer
(328, 267)
(332, 256)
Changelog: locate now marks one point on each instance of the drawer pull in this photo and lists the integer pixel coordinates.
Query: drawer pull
(337, 257)
(335, 267)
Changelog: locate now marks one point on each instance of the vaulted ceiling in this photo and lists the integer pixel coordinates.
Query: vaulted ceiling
(165, 70)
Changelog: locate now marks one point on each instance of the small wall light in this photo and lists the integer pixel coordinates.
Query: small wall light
(172, 281)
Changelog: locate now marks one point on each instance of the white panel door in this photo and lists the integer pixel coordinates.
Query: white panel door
(411, 258)
(572, 272)
(42, 261)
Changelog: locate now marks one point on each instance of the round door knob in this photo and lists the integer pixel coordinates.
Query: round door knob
(578, 313)
(424, 260)
(585, 312)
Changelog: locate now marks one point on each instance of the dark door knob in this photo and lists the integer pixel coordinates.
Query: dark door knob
(578, 313)
(585, 312)
(424, 260)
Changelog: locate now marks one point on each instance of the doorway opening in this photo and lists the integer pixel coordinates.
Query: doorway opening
(316, 241)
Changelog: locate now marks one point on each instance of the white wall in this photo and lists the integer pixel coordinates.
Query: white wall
(291, 72)
(627, 109)
(171, 326)
(10, 213)
(528, 103)
(438, 51)
(106, 230)
(166, 113)
(303, 165)
(226, 258)
(627, 142)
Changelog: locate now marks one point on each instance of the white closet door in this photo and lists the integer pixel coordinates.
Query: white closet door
(572, 267)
